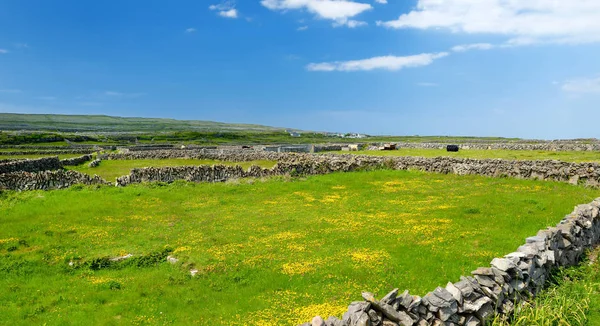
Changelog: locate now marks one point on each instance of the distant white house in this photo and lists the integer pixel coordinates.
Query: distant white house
(293, 133)
(356, 135)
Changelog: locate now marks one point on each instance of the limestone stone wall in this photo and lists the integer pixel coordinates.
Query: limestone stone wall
(209, 154)
(542, 146)
(6, 160)
(497, 288)
(46, 180)
(51, 152)
(76, 160)
(307, 164)
(34, 165)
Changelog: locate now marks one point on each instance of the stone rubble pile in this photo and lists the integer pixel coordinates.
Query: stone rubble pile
(46, 180)
(33, 165)
(94, 163)
(497, 289)
(76, 160)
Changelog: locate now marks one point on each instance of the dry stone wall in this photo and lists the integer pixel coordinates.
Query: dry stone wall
(35, 165)
(76, 160)
(46, 180)
(208, 154)
(6, 160)
(497, 288)
(543, 146)
(307, 164)
(50, 152)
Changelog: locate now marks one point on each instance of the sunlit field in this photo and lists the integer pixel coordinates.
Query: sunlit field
(268, 252)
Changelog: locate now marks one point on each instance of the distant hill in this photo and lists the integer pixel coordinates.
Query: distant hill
(103, 123)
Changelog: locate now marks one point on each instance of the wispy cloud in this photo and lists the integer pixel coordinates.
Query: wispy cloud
(3, 51)
(350, 23)
(21, 45)
(475, 46)
(392, 63)
(190, 30)
(340, 11)
(383, 2)
(524, 22)
(302, 28)
(225, 9)
(582, 86)
(122, 95)
(427, 84)
(47, 98)
(11, 91)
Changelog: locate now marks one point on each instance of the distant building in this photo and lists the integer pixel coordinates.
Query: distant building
(294, 134)
(356, 135)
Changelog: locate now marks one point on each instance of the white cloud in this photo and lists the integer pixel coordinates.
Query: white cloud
(582, 86)
(389, 62)
(524, 21)
(225, 9)
(340, 11)
(475, 46)
(231, 13)
(11, 91)
(302, 28)
(427, 84)
(190, 30)
(3, 51)
(21, 45)
(383, 2)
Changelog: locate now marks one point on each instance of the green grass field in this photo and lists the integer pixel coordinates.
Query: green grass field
(268, 252)
(112, 169)
(567, 156)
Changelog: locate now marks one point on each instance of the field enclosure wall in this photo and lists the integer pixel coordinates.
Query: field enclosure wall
(582, 173)
(76, 160)
(42, 164)
(46, 180)
(542, 146)
(50, 152)
(309, 164)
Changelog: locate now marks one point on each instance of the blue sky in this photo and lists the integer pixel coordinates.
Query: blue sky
(428, 67)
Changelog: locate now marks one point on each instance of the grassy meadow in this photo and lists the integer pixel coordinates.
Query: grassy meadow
(268, 252)
(567, 156)
(112, 169)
